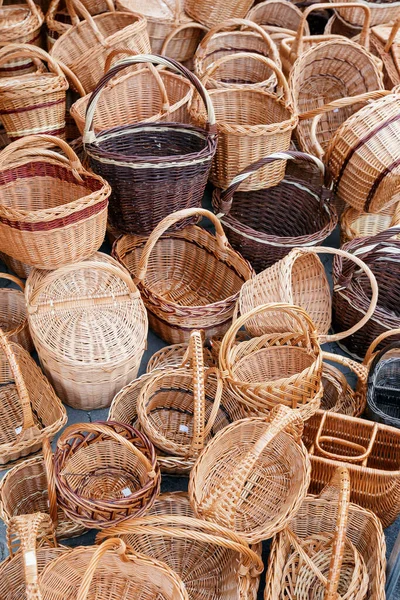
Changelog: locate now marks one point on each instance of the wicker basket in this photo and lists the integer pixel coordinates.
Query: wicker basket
(273, 15)
(369, 450)
(172, 161)
(173, 356)
(381, 12)
(252, 123)
(212, 561)
(253, 476)
(339, 396)
(84, 47)
(385, 44)
(13, 318)
(53, 211)
(266, 224)
(94, 346)
(181, 36)
(317, 517)
(19, 268)
(20, 24)
(221, 42)
(210, 13)
(352, 292)
(354, 224)
(105, 473)
(337, 26)
(188, 279)
(148, 96)
(383, 386)
(30, 410)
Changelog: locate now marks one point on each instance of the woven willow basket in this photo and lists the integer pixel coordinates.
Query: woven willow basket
(204, 276)
(175, 355)
(385, 44)
(212, 561)
(19, 268)
(210, 13)
(338, 395)
(354, 224)
(275, 15)
(13, 317)
(89, 326)
(253, 476)
(381, 12)
(337, 26)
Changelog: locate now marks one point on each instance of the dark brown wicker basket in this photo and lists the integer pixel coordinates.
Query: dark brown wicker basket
(264, 225)
(154, 169)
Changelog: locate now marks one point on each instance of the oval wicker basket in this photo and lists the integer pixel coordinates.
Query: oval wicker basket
(354, 224)
(89, 326)
(264, 225)
(13, 317)
(175, 355)
(265, 457)
(273, 15)
(381, 12)
(210, 13)
(204, 276)
(338, 395)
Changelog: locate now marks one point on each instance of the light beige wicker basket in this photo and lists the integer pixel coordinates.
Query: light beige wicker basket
(209, 12)
(275, 15)
(381, 12)
(355, 224)
(13, 317)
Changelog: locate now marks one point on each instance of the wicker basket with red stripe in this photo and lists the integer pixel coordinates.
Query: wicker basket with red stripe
(52, 211)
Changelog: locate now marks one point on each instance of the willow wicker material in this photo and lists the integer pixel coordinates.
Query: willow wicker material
(381, 12)
(123, 406)
(210, 13)
(174, 356)
(154, 168)
(273, 15)
(251, 124)
(105, 473)
(89, 326)
(20, 24)
(264, 225)
(188, 279)
(109, 570)
(338, 395)
(221, 42)
(354, 224)
(19, 268)
(213, 562)
(30, 410)
(53, 211)
(317, 517)
(337, 26)
(383, 386)
(181, 37)
(385, 44)
(253, 476)
(84, 47)
(13, 317)
(352, 291)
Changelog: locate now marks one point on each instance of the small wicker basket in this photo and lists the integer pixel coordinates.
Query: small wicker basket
(13, 317)
(381, 12)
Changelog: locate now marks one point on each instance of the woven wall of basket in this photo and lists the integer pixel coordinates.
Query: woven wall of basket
(338, 395)
(381, 12)
(29, 408)
(384, 43)
(201, 289)
(174, 355)
(94, 346)
(280, 18)
(337, 26)
(19, 268)
(13, 317)
(210, 13)
(355, 224)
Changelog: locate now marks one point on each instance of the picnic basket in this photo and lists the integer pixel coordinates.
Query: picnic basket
(13, 317)
(338, 394)
(355, 224)
(105, 473)
(317, 516)
(210, 13)
(85, 46)
(264, 225)
(30, 410)
(89, 326)
(154, 168)
(204, 276)
(252, 123)
(265, 457)
(381, 12)
(53, 211)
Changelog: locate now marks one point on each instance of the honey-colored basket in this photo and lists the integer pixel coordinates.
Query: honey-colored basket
(210, 13)
(204, 279)
(184, 38)
(252, 123)
(53, 211)
(105, 473)
(338, 394)
(381, 12)
(275, 15)
(337, 26)
(175, 356)
(19, 268)
(30, 410)
(85, 46)
(89, 326)
(355, 224)
(385, 44)
(13, 317)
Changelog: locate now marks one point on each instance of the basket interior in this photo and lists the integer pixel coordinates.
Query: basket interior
(335, 397)
(248, 107)
(384, 388)
(12, 309)
(11, 16)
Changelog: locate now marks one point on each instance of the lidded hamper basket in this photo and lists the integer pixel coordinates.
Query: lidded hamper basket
(153, 168)
(89, 326)
(13, 317)
(204, 276)
(210, 13)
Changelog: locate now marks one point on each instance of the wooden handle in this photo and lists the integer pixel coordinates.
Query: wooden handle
(199, 399)
(359, 369)
(190, 25)
(14, 279)
(395, 28)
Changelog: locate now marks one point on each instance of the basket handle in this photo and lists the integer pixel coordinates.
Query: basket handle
(32, 7)
(297, 45)
(190, 25)
(359, 369)
(89, 135)
(380, 354)
(166, 223)
(14, 279)
(29, 428)
(52, 12)
(74, 6)
(71, 77)
(12, 51)
(395, 29)
(228, 193)
(370, 352)
(50, 479)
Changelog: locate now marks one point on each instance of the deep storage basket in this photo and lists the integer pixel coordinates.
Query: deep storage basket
(188, 279)
(155, 168)
(209, 12)
(264, 225)
(13, 317)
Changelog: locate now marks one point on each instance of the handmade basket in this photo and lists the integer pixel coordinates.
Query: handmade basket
(221, 42)
(274, 369)
(89, 326)
(171, 160)
(252, 123)
(181, 36)
(354, 224)
(85, 46)
(265, 457)
(317, 518)
(264, 225)
(105, 473)
(385, 44)
(369, 450)
(381, 12)
(275, 15)
(338, 395)
(53, 211)
(30, 410)
(13, 317)
(109, 570)
(352, 292)
(211, 560)
(337, 26)
(175, 355)
(19, 268)
(210, 13)
(143, 96)
(204, 276)
(20, 24)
